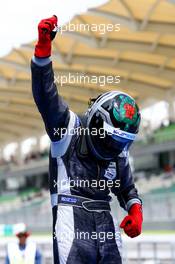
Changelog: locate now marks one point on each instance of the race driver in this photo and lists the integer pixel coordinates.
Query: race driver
(81, 212)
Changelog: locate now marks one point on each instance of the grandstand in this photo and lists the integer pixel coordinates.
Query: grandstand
(142, 54)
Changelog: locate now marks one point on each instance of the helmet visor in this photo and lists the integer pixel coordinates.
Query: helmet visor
(113, 141)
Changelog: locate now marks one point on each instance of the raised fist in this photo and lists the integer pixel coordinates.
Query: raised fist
(46, 34)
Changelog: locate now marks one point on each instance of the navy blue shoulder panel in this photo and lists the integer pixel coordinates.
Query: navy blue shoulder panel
(53, 109)
(127, 190)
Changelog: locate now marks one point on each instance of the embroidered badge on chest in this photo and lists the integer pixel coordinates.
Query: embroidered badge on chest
(111, 172)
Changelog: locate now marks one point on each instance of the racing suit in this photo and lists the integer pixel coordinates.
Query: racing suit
(71, 160)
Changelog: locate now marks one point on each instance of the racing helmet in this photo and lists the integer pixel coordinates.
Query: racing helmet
(113, 119)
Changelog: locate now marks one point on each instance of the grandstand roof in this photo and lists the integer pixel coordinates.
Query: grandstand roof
(141, 53)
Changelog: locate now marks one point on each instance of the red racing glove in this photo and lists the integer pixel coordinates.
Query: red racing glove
(132, 223)
(45, 37)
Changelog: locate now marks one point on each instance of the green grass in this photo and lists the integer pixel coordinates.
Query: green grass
(22, 194)
(159, 232)
(164, 190)
(7, 198)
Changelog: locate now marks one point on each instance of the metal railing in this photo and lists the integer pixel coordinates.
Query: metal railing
(149, 252)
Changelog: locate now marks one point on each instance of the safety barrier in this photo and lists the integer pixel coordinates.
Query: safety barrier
(149, 253)
(144, 250)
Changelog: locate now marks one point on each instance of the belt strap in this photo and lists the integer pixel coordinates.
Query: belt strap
(82, 202)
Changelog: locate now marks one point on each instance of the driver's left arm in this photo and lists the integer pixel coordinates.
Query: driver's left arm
(127, 193)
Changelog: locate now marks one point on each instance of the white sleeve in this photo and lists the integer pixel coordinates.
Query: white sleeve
(59, 148)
